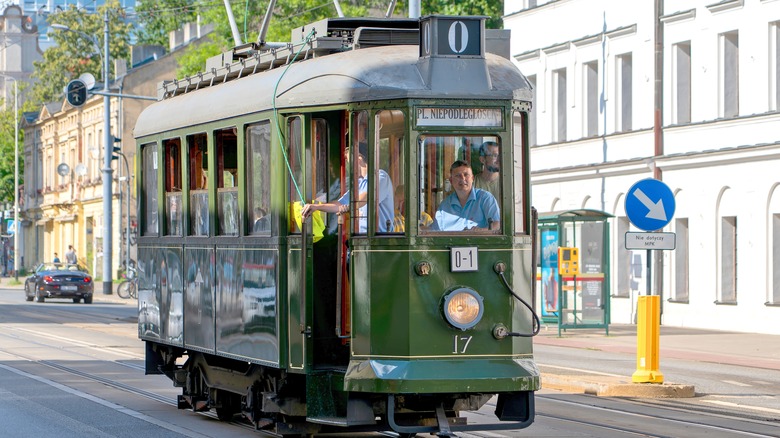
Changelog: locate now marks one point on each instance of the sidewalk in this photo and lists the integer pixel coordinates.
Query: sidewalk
(732, 348)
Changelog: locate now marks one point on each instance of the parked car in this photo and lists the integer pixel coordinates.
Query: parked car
(59, 280)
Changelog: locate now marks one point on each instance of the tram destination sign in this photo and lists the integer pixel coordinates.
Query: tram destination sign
(651, 240)
(479, 117)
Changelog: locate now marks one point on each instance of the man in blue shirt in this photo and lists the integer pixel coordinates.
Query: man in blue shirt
(466, 208)
(341, 206)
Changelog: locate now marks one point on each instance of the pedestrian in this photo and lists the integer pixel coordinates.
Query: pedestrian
(70, 256)
(56, 258)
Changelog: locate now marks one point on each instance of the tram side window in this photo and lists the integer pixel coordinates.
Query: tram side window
(390, 130)
(258, 176)
(358, 184)
(448, 190)
(519, 121)
(149, 187)
(227, 181)
(173, 193)
(197, 145)
(295, 157)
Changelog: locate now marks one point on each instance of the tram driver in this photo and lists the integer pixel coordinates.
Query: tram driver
(466, 208)
(341, 205)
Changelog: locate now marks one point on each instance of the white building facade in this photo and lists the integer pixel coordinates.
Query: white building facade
(708, 126)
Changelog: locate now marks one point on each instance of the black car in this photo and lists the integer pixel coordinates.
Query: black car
(59, 280)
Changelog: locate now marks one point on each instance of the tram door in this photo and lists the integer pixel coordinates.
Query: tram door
(314, 149)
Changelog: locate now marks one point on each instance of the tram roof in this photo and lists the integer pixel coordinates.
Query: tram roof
(376, 73)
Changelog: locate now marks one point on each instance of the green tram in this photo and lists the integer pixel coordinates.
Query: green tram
(359, 319)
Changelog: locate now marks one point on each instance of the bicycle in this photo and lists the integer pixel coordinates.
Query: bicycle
(128, 288)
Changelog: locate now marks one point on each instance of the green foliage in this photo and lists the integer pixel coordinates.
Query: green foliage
(75, 53)
(163, 16)
(494, 9)
(160, 17)
(7, 150)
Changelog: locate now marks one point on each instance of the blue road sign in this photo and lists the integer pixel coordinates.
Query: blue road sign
(650, 204)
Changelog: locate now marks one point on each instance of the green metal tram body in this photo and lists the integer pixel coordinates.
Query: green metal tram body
(349, 332)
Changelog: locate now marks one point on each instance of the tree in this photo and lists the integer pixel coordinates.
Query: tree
(493, 9)
(75, 53)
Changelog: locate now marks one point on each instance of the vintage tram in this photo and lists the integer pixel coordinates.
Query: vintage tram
(377, 317)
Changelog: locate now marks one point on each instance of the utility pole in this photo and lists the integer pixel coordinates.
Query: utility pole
(108, 149)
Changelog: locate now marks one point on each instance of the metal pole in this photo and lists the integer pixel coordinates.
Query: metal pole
(107, 171)
(414, 9)
(17, 226)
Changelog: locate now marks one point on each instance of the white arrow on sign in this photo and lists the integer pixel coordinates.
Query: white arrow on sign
(656, 208)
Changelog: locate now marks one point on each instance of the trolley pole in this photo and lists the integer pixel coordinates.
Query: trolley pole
(108, 144)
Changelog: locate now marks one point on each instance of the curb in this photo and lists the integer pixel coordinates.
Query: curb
(613, 386)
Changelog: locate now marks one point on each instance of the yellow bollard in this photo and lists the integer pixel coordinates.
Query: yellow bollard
(648, 335)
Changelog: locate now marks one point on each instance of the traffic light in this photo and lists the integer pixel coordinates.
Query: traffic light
(117, 149)
(76, 92)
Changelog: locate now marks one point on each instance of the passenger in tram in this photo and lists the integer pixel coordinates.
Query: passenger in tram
(466, 208)
(399, 222)
(489, 179)
(341, 205)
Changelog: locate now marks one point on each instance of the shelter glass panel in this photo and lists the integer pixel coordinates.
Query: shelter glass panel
(227, 181)
(445, 176)
(626, 283)
(149, 196)
(390, 129)
(258, 176)
(173, 187)
(197, 145)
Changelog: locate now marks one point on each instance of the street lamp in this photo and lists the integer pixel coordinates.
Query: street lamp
(108, 149)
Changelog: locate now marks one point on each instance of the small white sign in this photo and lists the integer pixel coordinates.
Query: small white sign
(651, 240)
(463, 259)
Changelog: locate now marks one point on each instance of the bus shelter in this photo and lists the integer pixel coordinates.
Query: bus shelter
(579, 300)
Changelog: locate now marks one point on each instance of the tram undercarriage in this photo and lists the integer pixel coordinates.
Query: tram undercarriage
(287, 404)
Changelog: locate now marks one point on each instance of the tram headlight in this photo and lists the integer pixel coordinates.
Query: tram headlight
(463, 308)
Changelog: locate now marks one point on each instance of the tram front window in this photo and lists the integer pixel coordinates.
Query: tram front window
(460, 184)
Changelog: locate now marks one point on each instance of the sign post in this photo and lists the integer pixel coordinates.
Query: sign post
(649, 206)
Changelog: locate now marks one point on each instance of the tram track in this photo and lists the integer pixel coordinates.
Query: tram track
(721, 423)
(585, 411)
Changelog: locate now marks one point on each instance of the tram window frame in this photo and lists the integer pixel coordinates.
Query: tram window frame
(295, 158)
(519, 136)
(149, 195)
(389, 166)
(258, 178)
(173, 187)
(197, 146)
(227, 175)
(437, 152)
(358, 212)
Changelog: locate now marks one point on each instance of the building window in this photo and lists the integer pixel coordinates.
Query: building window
(682, 82)
(729, 74)
(559, 105)
(532, 114)
(591, 81)
(775, 299)
(728, 260)
(681, 261)
(624, 269)
(774, 65)
(624, 94)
